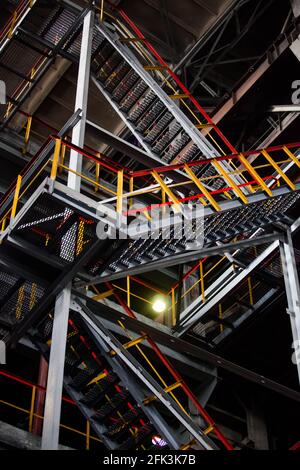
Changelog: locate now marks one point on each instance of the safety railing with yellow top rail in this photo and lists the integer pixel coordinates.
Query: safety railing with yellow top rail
(29, 412)
(268, 172)
(271, 161)
(54, 166)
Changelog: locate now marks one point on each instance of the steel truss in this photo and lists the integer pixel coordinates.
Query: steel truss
(79, 253)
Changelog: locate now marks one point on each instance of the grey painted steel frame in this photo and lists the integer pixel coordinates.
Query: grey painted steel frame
(50, 437)
(51, 422)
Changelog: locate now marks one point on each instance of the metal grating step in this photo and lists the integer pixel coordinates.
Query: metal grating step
(118, 429)
(133, 96)
(114, 81)
(126, 86)
(116, 403)
(142, 434)
(97, 391)
(217, 227)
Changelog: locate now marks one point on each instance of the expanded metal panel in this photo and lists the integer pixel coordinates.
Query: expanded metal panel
(56, 229)
(7, 281)
(21, 302)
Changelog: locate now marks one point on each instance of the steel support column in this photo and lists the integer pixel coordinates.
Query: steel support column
(50, 435)
(81, 99)
(292, 288)
(257, 426)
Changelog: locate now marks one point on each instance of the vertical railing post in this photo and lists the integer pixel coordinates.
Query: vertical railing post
(97, 176)
(131, 188)
(16, 197)
(128, 290)
(55, 160)
(173, 305)
(88, 435)
(102, 10)
(250, 291)
(62, 157)
(120, 195)
(3, 224)
(27, 132)
(31, 414)
(202, 281)
(221, 317)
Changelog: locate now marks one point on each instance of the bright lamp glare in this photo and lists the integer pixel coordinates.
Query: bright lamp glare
(159, 305)
(158, 441)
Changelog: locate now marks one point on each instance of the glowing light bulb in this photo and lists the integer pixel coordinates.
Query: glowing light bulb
(159, 305)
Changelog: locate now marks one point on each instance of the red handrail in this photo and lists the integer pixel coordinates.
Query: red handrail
(30, 384)
(195, 163)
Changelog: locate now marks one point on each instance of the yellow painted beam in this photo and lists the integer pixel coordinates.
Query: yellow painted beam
(173, 307)
(179, 96)
(168, 389)
(99, 377)
(167, 190)
(16, 197)
(152, 68)
(208, 430)
(204, 126)
(103, 295)
(278, 170)
(130, 39)
(254, 174)
(55, 159)
(128, 290)
(120, 192)
(202, 188)
(292, 156)
(14, 19)
(130, 344)
(230, 181)
(28, 129)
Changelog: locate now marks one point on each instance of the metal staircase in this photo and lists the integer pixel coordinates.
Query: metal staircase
(124, 403)
(54, 230)
(147, 96)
